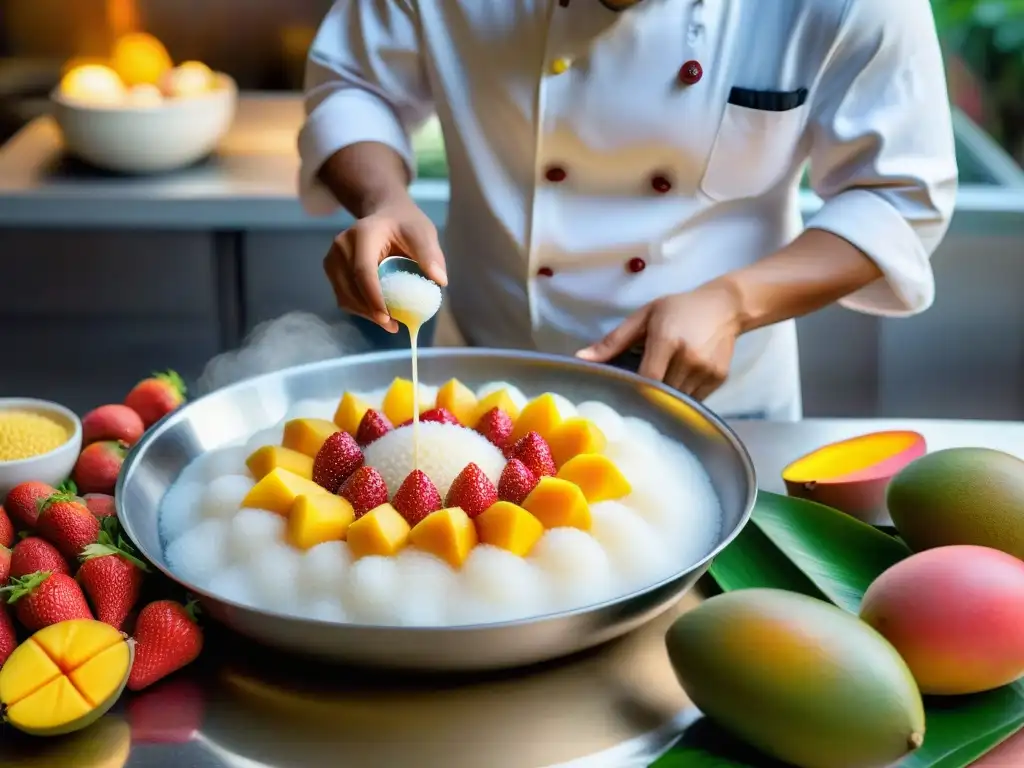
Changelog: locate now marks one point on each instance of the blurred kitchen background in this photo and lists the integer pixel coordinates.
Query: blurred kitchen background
(104, 278)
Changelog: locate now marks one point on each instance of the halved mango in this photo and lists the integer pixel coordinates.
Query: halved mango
(65, 677)
(316, 519)
(541, 415)
(263, 461)
(509, 526)
(278, 490)
(381, 531)
(558, 504)
(500, 399)
(852, 475)
(307, 435)
(350, 412)
(597, 476)
(459, 400)
(573, 437)
(398, 402)
(448, 533)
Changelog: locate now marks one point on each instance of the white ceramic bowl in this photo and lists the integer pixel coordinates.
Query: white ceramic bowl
(53, 467)
(147, 139)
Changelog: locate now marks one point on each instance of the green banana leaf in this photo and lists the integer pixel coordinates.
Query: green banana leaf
(804, 547)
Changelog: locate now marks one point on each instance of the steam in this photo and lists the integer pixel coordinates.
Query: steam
(292, 339)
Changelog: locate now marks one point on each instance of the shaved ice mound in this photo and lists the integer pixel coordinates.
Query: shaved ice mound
(405, 292)
(668, 520)
(445, 450)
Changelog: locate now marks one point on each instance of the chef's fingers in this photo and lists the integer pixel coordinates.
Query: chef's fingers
(706, 387)
(658, 353)
(422, 245)
(336, 269)
(678, 371)
(371, 242)
(618, 341)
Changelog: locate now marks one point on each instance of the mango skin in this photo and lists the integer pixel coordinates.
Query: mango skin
(798, 678)
(960, 496)
(956, 615)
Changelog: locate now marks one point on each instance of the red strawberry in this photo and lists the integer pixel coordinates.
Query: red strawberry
(535, 453)
(5, 564)
(67, 523)
(364, 490)
(472, 490)
(100, 504)
(516, 482)
(167, 638)
(171, 713)
(98, 466)
(22, 502)
(8, 635)
(436, 415)
(33, 554)
(416, 497)
(43, 598)
(373, 426)
(112, 422)
(155, 397)
(111, 575)
(496, 426)
(336, 460)
(6, 529)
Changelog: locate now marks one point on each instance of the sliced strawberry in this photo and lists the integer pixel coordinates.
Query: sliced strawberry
(496, 426)
(364, 490)
(535, 453)
(471, 490)
(373, 426)
(416, 498)
(336, 460)
(516, 482)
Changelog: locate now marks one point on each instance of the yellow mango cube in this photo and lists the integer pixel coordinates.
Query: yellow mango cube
(573, 437)
(381, 531)
(278, 490)
(459, 400)
(501, 400)
(316, 519)
(350, 412)
(448, 533)
(509, 526)
(597, 476)
(541, 415)
(307, 435)
(263, 461)
(397, 405)
(558, 504)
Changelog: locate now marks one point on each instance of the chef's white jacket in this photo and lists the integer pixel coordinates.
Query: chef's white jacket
(600, 159)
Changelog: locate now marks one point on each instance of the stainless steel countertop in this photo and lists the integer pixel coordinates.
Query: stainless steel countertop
(617, 706)
(250, 184)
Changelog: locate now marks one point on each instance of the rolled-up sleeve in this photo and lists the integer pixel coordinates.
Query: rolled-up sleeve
(882, 152)
(365, 81)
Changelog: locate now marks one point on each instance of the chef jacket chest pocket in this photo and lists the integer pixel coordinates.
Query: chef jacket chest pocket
(756, 142)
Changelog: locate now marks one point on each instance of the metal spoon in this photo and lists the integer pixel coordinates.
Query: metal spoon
(394, 264)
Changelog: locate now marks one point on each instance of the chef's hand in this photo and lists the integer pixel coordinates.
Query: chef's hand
(689, 339)
(395, 227)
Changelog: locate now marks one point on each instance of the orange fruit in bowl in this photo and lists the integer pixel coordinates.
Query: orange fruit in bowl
(140, 58)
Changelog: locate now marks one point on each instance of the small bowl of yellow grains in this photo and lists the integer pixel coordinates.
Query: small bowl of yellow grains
(39, 440)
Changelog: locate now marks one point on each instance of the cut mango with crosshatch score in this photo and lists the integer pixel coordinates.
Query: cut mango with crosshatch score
(278, 490)
(307, 435)
(350, 412)
(448, 533)
(509, 526)
(573, 437)
(459, 400)
(319, 518)
(65, 677)
(558, 504)
(397, 404)
(381, 531)
(541, 415)
(265, 460)
(597, 476)
(501, 400)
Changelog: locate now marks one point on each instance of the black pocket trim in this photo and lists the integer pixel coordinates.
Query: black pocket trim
(768, 101)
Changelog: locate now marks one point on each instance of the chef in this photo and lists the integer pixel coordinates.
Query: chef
(624, 175)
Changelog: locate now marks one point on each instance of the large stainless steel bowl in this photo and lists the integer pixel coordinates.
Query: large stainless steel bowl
(235, 412)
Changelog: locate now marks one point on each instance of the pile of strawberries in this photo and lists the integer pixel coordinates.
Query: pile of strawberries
(63, 555)
(339, 467)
